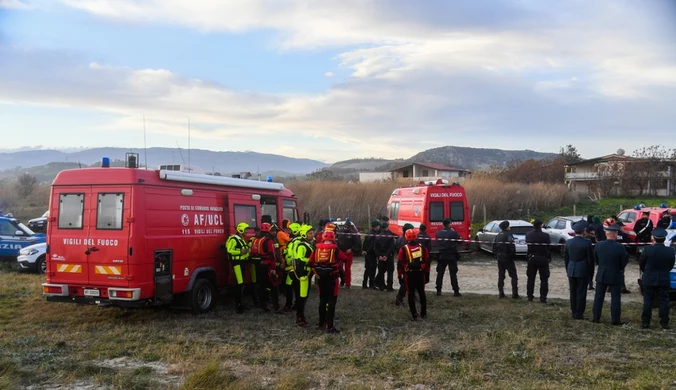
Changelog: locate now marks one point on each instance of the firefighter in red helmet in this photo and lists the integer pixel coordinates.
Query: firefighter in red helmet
(264, 255)
(413, 265)
(325, 260)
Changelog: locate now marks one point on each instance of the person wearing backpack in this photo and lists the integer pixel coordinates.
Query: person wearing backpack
(326, 261)
(288, 253)
(301, 269)
(413, 262)
(264, 255)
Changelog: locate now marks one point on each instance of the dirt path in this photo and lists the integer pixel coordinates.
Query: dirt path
(478, 273)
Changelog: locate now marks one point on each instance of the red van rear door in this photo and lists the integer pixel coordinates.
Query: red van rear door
(107, 249)
(69, 232)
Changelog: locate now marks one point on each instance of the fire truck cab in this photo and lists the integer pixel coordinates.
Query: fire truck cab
(430, 203)
(134, 237)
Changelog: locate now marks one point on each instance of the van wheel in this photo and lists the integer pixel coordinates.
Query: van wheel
(202, 296)
(41, 265)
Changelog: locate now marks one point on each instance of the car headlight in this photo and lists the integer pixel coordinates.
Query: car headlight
(28, 252)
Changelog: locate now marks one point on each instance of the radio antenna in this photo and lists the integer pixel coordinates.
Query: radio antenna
(189, 168)
(145, 145)
(180, 152)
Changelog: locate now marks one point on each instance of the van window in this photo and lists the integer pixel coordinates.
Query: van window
(245, 213)
(394, 211)
(457, 211)
(436, 211)
(290, 210)
(109, 211)
(71, 209)
(268, 210)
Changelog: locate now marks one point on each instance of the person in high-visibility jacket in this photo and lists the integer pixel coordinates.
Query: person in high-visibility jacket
(283, 238)
(238, 255)
(301, 269)
(412, 266)
(264, 255)
(288, 254)
(326, 261)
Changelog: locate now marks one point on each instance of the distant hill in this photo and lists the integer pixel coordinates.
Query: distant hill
(224, 162)
(475, 158)
(361, 164)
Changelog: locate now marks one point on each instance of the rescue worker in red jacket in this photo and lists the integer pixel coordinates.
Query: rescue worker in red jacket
(412, 266)
(326, 261)
(264, 255)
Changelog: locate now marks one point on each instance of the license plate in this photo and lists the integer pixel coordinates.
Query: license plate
(88, 292)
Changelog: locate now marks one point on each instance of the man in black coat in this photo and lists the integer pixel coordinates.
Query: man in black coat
(505, 251)
(538, 256)
(611, 258)
(369, 253)
(643, 228)
(424, 239)
(656, 263)
(384, 249)
(590, 235)
(448, 257)
(578, 255)
(665, 221)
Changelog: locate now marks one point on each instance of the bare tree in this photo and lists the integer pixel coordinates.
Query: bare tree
(609, 175)
(648, 173)
(26, 184)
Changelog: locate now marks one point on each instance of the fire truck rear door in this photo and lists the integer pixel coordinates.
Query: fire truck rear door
(108, 245)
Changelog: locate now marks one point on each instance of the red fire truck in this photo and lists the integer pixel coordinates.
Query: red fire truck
(134, 237)
(430, 203)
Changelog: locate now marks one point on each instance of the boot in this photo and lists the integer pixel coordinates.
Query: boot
(501, 292)
(515, 291)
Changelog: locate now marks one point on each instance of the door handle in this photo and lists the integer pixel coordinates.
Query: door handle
(90, 250)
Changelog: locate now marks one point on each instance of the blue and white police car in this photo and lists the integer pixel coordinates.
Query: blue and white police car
(15, 236)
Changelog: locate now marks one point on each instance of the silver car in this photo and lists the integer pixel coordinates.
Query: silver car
(486, 235)
(560, 229)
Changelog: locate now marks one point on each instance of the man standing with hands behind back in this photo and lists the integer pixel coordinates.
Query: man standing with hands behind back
(611, 258)
(656, 263)
(578, 255)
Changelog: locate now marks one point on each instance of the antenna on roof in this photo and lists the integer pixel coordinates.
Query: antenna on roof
(145, 146)
(181, 153)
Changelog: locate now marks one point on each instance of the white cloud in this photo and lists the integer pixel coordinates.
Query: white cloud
(526, 74)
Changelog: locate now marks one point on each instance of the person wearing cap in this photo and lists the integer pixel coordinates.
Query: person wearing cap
(611, 259)
(643, 229)
(665, 221)
(539, 256)
(578, 256)
(448, 239)
(505, 251)
(384, 248)
(656, 262)
(590, 235)
(369, 253)
(423, 238)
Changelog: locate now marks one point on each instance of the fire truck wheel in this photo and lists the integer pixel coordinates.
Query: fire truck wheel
(202, 296)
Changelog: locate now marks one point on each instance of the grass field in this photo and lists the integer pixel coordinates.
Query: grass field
(470, 342)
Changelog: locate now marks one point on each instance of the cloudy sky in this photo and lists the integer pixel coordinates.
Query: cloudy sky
(334, 80)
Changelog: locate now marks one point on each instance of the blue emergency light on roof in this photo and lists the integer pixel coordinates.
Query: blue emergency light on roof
(637, 207)
(663, 205)
(269, 179)
(105, 162)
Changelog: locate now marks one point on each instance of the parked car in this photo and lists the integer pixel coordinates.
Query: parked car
(14, 236)
(39, 225)
(518, 228)
(560, 229)
(33, 258)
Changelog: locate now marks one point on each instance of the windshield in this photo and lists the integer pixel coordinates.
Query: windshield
(520, 230)
(26, 229)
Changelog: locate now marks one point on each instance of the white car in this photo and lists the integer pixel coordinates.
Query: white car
(33, 258)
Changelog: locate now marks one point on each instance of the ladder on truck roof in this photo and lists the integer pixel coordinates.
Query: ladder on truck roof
(219, 180)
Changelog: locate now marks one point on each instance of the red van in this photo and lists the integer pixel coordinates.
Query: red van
(630, 216)
(134, 237)
(430, 203)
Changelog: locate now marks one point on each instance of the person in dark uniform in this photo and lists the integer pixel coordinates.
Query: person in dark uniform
(665, 221)
(504, 251)
(448, 257)
(643, 229)
(423, 238)
(538, 256)
(611, 258)
(590, 235)
(384, 249)
(656, 263)
(578, 255)
(369, 253)
(597, 227)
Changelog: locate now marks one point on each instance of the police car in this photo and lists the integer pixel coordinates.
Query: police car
(14, 236)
